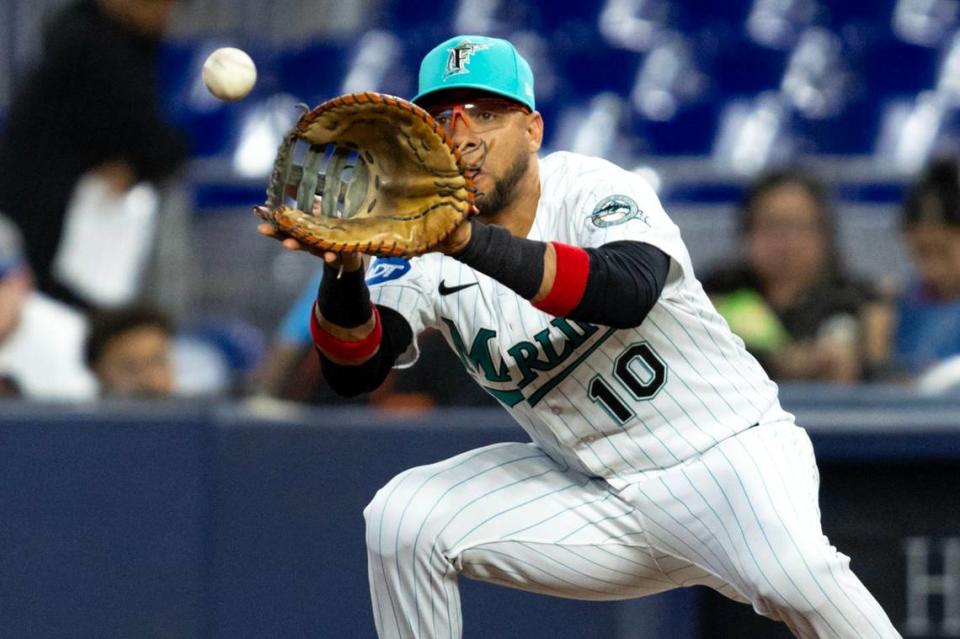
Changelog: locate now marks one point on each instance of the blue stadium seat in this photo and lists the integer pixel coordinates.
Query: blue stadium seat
(240, 345)
(692, 16)
(569, 45)
(313, 72)
(421, 25)
(208, 129)
(852, 132)
(872, 14)
(406, 16)
(591, 68)
(690, 132)
(891, 67)
(742, 67)
(211, 125)
(559, 17)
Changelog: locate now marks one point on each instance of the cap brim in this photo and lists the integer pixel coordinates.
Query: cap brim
(477, 87)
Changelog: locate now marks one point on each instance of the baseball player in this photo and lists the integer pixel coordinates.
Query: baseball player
(660, 455)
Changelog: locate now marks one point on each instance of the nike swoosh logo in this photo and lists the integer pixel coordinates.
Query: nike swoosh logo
(445, 290)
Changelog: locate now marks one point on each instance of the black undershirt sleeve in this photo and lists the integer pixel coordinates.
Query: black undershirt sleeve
(515, 262)
(625, 281)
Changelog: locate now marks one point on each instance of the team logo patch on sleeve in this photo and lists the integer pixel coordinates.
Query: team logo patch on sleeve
(385, 269)
(613, 210)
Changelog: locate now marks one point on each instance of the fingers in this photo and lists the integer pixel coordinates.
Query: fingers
(267, 229)
(350, 261)
(288, 242)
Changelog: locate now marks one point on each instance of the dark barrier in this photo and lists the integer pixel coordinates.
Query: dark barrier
(102, 523)
(231, 522)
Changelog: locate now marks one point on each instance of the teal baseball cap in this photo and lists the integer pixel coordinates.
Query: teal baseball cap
(477, 62)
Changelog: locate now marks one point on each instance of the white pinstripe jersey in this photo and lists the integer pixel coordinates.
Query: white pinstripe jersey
(611, 403)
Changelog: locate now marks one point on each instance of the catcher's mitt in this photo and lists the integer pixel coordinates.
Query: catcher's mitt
(389, 182)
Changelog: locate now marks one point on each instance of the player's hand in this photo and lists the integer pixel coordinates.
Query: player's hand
(350, 261)
(457, 240)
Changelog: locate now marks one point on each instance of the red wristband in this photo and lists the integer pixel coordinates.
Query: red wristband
(570, 281)
(346, 350)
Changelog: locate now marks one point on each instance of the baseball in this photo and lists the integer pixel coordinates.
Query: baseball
(229, 73)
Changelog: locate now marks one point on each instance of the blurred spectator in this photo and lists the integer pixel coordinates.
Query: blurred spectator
(290, 370)
(926, 318)
(129, 351)
(41, 340)
(214, 356)
(789, 299)
(89, 109)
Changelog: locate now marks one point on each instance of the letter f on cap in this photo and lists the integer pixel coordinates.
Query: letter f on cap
(459, 57)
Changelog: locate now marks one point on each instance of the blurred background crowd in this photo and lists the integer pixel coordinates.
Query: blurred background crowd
(809, 150)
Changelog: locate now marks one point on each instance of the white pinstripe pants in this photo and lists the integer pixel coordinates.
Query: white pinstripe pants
(742, 518)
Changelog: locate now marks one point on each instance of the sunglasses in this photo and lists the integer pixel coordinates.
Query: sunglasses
(479, 115)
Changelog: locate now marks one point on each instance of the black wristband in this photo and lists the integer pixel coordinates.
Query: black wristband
(514, 261)
(344, 300)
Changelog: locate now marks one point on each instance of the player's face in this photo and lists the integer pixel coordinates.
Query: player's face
(935, 249)
(786, 239)
(494, 138)
(137, 363)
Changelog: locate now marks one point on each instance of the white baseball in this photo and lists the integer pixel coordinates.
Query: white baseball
(229, 73)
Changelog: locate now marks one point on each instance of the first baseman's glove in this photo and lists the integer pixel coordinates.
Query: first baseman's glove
(388, 181)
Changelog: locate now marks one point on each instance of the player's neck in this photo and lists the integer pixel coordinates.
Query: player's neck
(517, 217)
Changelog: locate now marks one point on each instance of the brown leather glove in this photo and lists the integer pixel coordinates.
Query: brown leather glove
(378, 172)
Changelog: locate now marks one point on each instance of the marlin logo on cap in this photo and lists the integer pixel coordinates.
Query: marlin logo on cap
(459, 56)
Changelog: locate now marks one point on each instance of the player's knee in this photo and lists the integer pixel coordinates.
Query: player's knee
(398, 521)
(799, 582)
(382, 509)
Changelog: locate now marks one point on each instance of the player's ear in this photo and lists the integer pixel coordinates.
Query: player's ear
(534, 131)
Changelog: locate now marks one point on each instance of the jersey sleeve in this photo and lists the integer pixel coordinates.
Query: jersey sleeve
(404, 286)
(625, 208)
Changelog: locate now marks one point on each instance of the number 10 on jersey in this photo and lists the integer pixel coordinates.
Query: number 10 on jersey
(639, 372)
